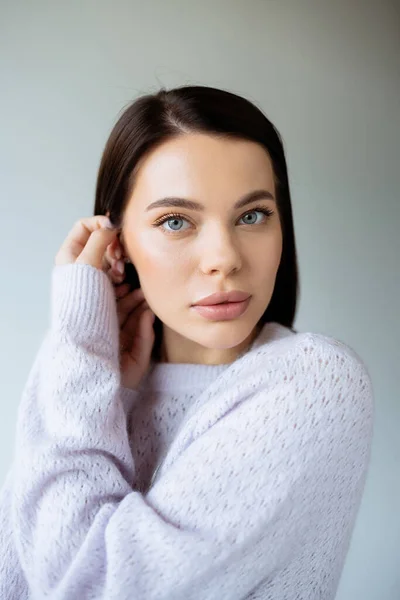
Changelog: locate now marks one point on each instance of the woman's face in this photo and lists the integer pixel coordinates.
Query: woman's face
(198, 252)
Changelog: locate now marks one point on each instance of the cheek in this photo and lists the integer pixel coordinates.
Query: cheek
(159, 266)
(164, 280)
(269, 252)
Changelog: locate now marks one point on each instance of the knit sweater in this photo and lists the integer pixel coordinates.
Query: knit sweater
(261, 465)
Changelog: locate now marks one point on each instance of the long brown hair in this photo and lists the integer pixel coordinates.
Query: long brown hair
(153, 119)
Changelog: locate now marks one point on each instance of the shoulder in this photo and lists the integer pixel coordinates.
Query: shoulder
(328, 354)
(329, 374)
(337, 377)
(308, 351)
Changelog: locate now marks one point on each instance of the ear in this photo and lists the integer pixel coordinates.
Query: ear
(125, 256)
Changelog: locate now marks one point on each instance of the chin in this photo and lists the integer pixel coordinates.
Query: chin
(221, 335)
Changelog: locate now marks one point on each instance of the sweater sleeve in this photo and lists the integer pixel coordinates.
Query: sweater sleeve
(12, 581)
(13, 585)
(226, 515)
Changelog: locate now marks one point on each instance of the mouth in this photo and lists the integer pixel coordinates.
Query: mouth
(223, 298)
(223, 311)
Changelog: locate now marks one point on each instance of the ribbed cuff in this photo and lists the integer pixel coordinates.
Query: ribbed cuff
(83, 302)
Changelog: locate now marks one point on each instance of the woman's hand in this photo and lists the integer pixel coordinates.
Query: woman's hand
(92, 242)
(136, 333)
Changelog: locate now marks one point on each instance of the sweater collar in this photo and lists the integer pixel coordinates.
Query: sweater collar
(176, 377)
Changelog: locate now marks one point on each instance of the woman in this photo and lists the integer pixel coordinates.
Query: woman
(211, 453)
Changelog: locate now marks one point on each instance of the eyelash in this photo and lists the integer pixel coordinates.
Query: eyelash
(266, 211)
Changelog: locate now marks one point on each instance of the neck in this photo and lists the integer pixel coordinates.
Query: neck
(205, 356)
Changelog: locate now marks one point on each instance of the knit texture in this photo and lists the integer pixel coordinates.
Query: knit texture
(207, 483)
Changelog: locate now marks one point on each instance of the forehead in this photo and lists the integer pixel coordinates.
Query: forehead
(199, 164)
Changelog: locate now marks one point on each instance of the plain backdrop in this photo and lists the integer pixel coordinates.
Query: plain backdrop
(326, 73)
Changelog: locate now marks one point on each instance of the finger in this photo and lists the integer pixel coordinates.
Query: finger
(128, 305)
(108, 272)
(128, 320)
(135, 297)
(129, 329)
(122, 290)
(143, 341)
(128, 309)
(77, 239)
(116, 281)
(95, 248)
(81, 231)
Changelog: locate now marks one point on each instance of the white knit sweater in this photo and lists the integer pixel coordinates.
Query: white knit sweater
(262, 465)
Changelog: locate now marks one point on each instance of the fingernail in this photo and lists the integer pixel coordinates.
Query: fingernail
(118, 253)
(120, 267)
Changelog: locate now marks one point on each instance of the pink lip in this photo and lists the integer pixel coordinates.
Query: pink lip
(219, 297)
(223, 312)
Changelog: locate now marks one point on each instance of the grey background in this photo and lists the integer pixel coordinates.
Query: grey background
(326, 73)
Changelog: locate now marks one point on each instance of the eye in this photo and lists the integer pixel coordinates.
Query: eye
(266, 212)
(175, 218)
(170, 219)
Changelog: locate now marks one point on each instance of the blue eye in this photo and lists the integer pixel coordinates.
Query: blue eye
(175, 217)
(249, 213)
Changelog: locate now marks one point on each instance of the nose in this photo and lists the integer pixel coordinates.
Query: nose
(220, 254)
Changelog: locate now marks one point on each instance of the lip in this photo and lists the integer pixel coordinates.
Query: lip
(220, 297)
(224, 311)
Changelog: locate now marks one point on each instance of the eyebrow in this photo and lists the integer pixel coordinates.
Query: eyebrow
(192, 205)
